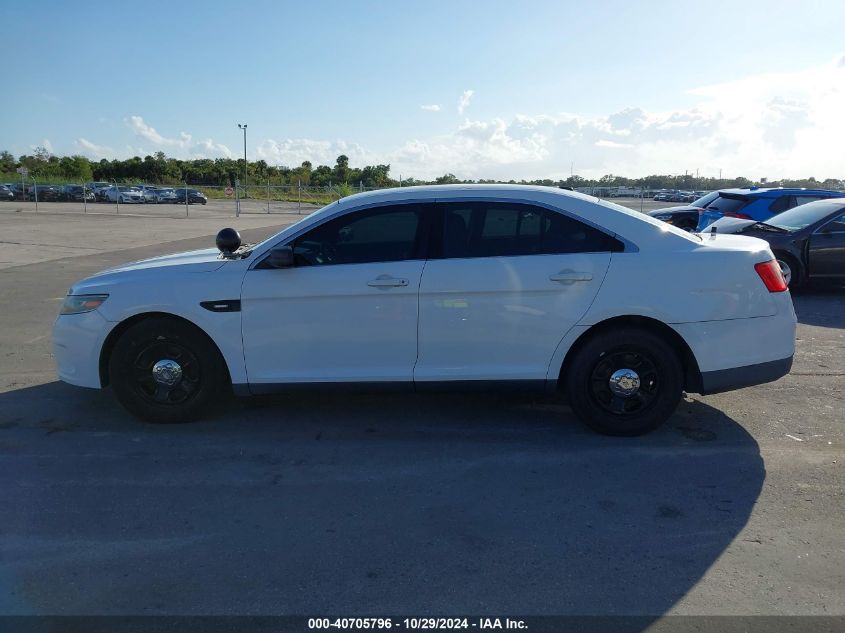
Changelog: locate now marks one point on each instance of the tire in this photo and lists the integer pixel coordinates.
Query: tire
(659, 374)
(792, 270)
(202, 371)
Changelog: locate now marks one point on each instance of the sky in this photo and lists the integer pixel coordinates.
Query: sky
(483, 89)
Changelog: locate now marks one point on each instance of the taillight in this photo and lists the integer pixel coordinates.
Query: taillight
(741, 216)
(771, 275)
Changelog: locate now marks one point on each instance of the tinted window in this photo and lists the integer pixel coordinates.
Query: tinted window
(836, 226)
(799, 200)
(384, 234)
(500, 229)
(782, 203)
(727, 205)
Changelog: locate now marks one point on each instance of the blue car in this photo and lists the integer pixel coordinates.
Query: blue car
(757, 204)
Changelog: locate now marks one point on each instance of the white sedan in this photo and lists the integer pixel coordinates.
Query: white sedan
(430, 286)
(127, 195)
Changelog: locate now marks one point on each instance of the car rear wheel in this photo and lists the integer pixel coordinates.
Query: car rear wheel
(164, 370)
(792, 271)
(624, 382)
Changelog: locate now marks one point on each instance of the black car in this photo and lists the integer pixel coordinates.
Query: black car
(808, 241)
(6, 193)
(194, 196)
(74, 193)
(46, 193)
(684, 217)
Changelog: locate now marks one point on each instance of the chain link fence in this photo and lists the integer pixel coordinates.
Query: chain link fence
(180, 201)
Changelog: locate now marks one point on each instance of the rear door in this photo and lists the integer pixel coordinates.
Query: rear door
(827, 250)
(504, 285)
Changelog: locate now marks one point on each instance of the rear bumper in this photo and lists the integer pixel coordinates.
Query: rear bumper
(739, 377)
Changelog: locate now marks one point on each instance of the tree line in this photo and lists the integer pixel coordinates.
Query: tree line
(161, 169)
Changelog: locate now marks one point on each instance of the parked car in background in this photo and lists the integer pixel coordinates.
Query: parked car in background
(44, 193)
(18, 190)
(126, 195)
(6, 193)
(808, 241)
(426, 287)
(164, 195)
(148, 192)
(74, 193)
(98, 184)
(194, 196)
(663, 196)
(685, 217)
(758, 204)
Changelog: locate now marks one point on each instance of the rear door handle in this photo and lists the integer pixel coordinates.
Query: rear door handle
(571, 276)
(386, 281)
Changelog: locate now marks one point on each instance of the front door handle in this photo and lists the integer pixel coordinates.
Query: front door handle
(570, 276)
(386, 281)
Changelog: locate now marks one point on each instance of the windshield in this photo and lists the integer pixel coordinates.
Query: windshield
(704, 200)
(803, 216)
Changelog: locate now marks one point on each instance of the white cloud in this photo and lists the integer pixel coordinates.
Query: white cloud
(206, 148)
(92, 150)
(292, 152)
(464, 99)
(770, 124)
(430, 108)
(46, 144)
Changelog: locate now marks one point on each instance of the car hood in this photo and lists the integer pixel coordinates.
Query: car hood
(201, 260)
(729, 225)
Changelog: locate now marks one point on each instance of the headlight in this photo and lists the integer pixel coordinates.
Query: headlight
(77, 304)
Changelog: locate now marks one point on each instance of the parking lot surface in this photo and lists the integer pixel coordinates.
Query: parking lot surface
(386, 504)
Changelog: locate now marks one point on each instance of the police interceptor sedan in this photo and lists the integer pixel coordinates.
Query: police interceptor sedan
(425, 287)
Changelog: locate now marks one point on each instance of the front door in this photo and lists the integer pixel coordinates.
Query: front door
(827, 250)
(347, 310)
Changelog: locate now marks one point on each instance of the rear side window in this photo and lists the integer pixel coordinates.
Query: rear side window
(727, 205)
(501, 229)
(781, 204)
(799, 200)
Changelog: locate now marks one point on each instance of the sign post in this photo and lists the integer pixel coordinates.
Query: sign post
(23, 171)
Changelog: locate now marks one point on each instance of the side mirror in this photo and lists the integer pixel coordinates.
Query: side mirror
(279, 257)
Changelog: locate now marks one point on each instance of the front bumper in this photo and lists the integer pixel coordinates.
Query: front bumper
(77, 341)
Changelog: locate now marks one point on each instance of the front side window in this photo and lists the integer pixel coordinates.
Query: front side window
(835, 226)
(383, 234)
(495, 229)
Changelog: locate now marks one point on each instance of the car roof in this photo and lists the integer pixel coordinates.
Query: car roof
(610, 216)
(771, 192)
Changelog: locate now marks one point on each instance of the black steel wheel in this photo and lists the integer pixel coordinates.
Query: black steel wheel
(166, 370)
(626, 381)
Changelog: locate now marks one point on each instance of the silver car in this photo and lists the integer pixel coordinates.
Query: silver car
(165, 195)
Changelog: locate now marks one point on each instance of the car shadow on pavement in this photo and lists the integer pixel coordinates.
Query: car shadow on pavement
(363, 504)
(821, 304)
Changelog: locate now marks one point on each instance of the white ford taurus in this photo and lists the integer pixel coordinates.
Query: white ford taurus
(426, 286)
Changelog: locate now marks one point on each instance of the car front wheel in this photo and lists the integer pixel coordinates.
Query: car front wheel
(165, 370)
(626, 381)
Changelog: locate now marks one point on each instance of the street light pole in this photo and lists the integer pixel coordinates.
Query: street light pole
(243, 127)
